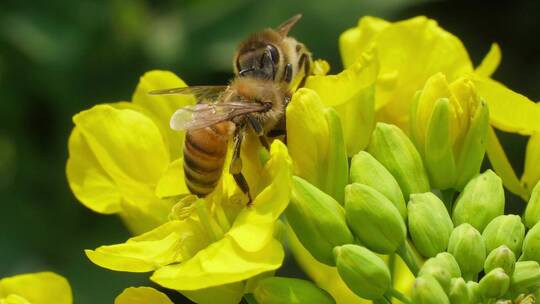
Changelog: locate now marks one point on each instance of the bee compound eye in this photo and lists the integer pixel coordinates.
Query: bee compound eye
(274, 53)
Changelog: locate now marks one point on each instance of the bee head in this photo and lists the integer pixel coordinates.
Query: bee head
(259, 59)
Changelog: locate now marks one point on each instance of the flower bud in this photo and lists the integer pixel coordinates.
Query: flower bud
(392, 148)
(352, 94)
(318, 220)
(471, 155)
(500, 257)
(458, 294)
(467, 246)
(315, 143)
(481, 201)
(449, 124)
(494, 284)
(430, 225)
(532, 212)
(426, 290)
(526, 275)
(504, 230)
(434, 268)
(438, 154)
(374, 219)
(446, 261)
(277, 290)
(474, 293)
(363, 272)
(365, 169)
(531, 244)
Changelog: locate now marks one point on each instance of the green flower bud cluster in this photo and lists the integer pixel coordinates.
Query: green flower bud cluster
(461, 248)
(370, 220)
(497, 259)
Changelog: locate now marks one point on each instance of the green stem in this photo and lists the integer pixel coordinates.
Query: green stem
(392, 266)
(407, 255)
(470, 277)
(382, 300)
(448, 199)
(398, 295)
(249, 299)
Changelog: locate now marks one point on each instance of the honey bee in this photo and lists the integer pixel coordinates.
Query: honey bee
(268, 66)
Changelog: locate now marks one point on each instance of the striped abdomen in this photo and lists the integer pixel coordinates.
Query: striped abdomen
(204, 155)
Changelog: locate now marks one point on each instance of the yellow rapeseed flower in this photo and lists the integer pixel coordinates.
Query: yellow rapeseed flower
(211, 247)
(411, 51)
(124, 159)
(35, 288)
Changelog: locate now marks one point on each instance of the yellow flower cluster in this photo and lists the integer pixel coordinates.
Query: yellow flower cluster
(412, 51)
(125, 160)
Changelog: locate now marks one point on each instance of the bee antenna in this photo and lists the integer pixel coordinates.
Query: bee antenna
(286, 26)
(242, 72)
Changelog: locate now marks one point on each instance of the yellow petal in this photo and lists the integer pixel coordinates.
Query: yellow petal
(414, 50)
(89, 182)
(251, 164)
(531, 173)
(143, 211)
(222, 262)
(227, 294)
(14, 299)
(344, 87)
(38, 288)
(351, 92)
(502, 166)
(508, 111)
(490, 62)
(163, 106)
(126, 143)
(142, 295)
(307, 135)
(253, 228)
(172, 181)
(356, 40)
(169, 243)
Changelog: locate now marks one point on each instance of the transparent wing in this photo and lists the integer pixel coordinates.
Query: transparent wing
(203, 94)
(206, 114)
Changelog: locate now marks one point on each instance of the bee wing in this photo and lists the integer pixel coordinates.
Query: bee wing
(203, 94)
(207, 114)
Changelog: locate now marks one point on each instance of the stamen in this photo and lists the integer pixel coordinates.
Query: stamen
(183, 209)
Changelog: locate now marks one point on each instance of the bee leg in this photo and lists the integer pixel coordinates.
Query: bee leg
(304, 62)
(242, 183)
(257, 127)
(287, 75)
(235, 168)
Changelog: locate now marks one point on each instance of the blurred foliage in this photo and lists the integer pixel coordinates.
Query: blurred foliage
(59, 57)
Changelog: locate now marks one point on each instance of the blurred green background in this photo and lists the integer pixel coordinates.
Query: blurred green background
(58, 57)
